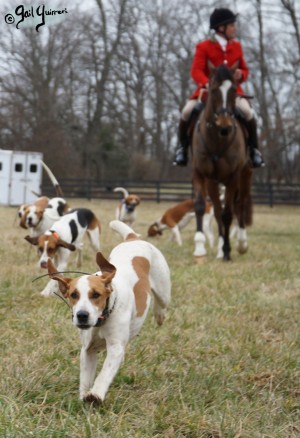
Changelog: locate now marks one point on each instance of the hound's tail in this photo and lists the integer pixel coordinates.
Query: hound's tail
(121, 189)
(38, 195)
(54, 181)
(124, 230)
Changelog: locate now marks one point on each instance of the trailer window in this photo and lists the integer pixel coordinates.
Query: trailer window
(33, 168)
(18, 167)
(0, 166)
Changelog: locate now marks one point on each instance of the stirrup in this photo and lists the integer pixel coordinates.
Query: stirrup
(181, 157)
(257, 158)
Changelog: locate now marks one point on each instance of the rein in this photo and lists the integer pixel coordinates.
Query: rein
(215, 157)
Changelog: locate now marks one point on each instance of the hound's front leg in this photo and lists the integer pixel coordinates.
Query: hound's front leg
(176, 235)
(112, 363)
(88, 365)
(79, 255)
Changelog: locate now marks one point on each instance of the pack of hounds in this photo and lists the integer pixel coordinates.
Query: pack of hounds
(109, 306)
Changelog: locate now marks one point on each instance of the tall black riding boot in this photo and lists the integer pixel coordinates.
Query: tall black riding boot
(181, 155)
(252, 143)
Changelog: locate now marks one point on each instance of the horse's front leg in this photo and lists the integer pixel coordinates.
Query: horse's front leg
(227, 217)
(199, 239)
(213, 191)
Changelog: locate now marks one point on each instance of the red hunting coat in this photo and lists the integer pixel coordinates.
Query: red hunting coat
(211, 50)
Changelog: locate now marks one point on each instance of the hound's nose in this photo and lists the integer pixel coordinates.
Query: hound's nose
(82, 316)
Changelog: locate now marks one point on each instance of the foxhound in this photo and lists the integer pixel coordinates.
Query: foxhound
(41, 201)
(39, 218)
(126, 211)
(178, 217)
(110, 307)
(64, 236)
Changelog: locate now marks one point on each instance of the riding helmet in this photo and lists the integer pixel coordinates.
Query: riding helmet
(221, 16)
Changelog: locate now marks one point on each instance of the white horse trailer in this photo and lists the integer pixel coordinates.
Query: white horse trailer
(20, 174)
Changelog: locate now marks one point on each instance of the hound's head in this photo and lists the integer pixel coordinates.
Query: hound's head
(32, 216)
(131, 202)
(154, 230)
(22, 209)
(88, 295)
(48, 244)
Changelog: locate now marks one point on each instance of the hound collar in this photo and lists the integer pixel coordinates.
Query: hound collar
(106, 313)
(54, 233)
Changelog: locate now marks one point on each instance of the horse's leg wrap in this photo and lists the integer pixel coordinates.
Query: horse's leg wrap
(199, 240)
(242, 245)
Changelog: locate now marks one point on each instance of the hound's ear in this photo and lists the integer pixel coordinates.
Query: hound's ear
(108, 270)
(32, 240)
(23, 222)
(63, 282)
(67, 245)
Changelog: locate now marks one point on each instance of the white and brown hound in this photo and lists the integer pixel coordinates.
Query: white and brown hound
(126, 211)
(64, 236)
(110, 307)
(41, 201)
(39, 218)
(178, 217)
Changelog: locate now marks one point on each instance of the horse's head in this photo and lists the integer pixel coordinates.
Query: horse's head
(221, 99)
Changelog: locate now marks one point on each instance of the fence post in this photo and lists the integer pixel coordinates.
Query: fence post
(88, 189)
(271, 195)
(158, 192)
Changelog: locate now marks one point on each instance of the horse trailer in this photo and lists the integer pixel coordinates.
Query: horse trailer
(20, 176)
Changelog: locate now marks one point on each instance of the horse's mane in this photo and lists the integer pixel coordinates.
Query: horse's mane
(222, 73)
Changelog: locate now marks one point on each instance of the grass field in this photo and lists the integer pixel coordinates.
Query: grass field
(224, 364)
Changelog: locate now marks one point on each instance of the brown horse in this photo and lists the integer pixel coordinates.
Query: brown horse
(220, 157)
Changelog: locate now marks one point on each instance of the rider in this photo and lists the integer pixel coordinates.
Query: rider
(220, 48)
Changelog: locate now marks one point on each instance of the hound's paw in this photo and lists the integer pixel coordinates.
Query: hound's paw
(92, 398)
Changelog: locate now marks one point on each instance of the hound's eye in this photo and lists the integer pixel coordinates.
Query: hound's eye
(74, 295)
(95, 295)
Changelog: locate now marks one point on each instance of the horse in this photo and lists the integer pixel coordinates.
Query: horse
(219, 156)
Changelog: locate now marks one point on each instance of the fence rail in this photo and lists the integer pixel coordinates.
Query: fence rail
(175, 191)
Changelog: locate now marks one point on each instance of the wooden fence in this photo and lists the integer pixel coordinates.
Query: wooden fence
(175, 191)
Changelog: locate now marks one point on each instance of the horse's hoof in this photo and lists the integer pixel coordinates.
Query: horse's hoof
(200, 260)
(227, 258)
(242, 247)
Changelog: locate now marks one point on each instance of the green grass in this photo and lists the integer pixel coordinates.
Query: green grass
(224, 364)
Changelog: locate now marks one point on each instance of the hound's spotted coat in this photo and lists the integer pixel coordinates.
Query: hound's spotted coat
(64, 236)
